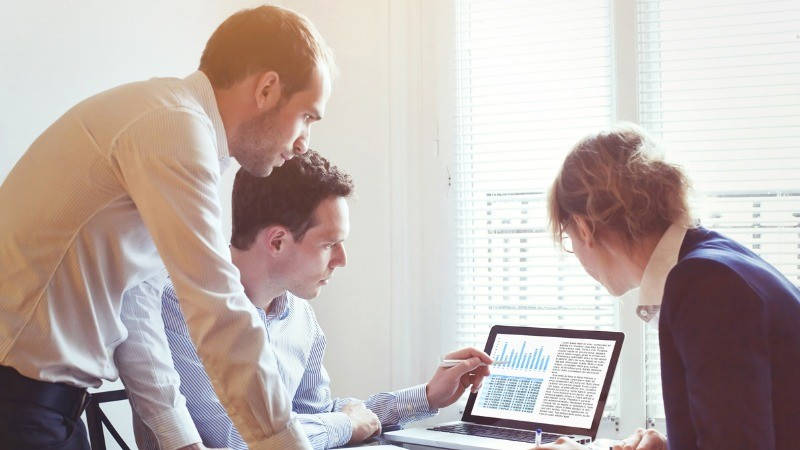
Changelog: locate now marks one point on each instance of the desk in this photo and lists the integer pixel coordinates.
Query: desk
(378, 443)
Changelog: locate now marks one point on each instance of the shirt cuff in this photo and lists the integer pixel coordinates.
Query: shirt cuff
(290, 438)
(174, 429)
(412, 404)
(338, 427)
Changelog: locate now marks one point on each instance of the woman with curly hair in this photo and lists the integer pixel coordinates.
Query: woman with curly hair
(728, 321)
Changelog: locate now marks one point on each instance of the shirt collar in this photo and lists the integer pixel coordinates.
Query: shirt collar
(200, 85)
(661, 262)
(278, 307)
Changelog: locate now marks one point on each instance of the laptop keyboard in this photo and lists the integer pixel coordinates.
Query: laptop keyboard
(495, 432)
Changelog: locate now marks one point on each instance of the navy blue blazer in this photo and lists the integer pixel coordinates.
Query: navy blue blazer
(730, 349)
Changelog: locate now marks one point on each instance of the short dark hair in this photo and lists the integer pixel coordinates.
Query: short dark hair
(287, 197)
(265, 38)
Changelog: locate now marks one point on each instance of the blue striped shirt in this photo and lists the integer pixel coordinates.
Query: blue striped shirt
(299, 346)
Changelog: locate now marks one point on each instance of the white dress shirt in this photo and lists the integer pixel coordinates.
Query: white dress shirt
(121, 182)
(661, 262)
(299, 344)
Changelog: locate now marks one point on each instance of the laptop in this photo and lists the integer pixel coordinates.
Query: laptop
(556, 380)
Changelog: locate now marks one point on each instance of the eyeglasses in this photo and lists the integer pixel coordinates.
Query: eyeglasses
(566, 243)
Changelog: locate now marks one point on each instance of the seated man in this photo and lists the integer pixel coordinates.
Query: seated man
(288, 233)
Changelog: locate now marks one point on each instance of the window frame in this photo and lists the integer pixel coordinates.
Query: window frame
(437, 83)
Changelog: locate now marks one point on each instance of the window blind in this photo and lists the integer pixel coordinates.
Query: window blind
(532, 77)
(719, 84)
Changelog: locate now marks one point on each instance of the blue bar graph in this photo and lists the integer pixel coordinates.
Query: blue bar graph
(519, 358)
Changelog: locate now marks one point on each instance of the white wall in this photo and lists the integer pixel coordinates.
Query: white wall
(54, 54)
(354, 309)
(381, 313)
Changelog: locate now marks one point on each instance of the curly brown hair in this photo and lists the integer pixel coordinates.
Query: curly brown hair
(616, 180)
(265, 38)
(287, 197)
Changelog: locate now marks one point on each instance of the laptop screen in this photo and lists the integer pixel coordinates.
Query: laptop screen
(553, 379)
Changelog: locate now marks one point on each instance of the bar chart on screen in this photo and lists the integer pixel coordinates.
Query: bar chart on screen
(514, 356)
(518, 374)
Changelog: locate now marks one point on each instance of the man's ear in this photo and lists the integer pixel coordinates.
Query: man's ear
(268, 90)
(585, 232)
(274, 239)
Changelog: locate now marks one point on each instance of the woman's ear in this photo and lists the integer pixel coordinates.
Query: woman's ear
(585, 233)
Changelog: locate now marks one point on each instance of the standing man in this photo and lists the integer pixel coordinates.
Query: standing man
(123, 184)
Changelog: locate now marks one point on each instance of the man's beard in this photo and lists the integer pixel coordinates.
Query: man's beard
(255, 143)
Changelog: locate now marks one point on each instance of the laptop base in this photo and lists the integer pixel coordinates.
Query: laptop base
(423, 436)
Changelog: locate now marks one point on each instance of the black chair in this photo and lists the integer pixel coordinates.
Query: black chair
(95, 419)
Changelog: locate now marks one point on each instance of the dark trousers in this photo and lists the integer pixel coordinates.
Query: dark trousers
(31, 420)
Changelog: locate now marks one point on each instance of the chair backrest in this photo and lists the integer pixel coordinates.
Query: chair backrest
(95, 419)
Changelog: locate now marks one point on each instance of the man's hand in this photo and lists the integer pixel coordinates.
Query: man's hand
(643, 440)
(365, 423)
(562, 443)
(200, 446)
(448, 383)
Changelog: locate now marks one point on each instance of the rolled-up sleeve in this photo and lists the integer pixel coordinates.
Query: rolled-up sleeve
(401, 407)
(168, 163)
(146, 369)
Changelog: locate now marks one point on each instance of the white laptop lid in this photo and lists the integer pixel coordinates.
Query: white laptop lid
(548, 378)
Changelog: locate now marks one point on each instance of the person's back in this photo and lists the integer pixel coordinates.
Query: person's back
(79, 213)
(722, 292)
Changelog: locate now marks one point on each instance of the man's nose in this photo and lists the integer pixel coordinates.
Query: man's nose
(299, 148)
(303, 143)
(341, 258)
